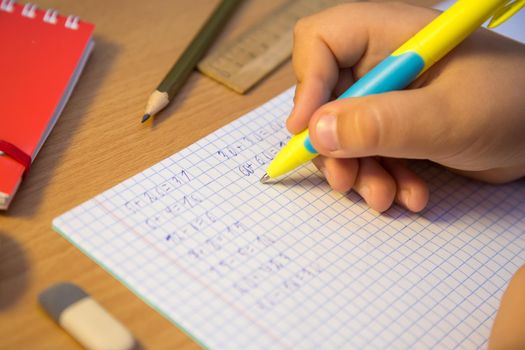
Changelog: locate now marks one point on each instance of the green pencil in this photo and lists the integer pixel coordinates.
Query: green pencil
(184, 66)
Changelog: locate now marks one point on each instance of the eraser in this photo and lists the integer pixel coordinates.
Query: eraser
(85, 319)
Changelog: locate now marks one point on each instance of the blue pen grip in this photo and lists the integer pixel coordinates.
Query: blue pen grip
(393, 73)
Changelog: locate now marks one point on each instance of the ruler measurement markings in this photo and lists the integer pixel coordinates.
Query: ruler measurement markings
(258, 51)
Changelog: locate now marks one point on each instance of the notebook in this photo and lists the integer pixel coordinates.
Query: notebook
(294, 265)
(42, 55)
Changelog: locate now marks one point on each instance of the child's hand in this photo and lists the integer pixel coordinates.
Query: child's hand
(508, 331)
(467, 112)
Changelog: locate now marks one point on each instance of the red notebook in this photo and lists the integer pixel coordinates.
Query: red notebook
(41, 57)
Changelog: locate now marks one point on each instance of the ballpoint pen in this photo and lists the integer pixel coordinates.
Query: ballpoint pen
(404, 65)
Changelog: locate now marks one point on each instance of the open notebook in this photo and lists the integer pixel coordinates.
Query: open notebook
(241, 265)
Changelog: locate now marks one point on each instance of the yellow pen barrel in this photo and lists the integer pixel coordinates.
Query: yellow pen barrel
(293, 155)
(445, 32)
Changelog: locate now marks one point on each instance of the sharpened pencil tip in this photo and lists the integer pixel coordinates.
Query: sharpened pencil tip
(145, 117)
(265, 179)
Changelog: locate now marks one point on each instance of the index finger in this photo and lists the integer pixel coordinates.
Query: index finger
(357, 35)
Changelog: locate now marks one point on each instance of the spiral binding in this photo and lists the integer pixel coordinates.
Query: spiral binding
(72, 22)
(50, 16)
(7, 5)
(29, 10)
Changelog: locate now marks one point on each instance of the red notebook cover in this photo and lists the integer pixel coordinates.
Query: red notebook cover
(41, 57)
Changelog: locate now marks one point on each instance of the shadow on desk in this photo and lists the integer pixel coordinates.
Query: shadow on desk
(29, 196)
(14, 271)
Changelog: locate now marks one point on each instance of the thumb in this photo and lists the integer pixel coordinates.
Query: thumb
(398, 124)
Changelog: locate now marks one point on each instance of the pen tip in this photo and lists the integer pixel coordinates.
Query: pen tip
(265, 179)
(145, 117)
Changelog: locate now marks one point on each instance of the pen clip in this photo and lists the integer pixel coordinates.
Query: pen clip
(505, 12)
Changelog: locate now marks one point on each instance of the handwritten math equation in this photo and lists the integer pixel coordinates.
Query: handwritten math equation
(218, 244)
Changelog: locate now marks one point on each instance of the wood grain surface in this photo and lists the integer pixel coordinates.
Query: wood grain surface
(99, 142)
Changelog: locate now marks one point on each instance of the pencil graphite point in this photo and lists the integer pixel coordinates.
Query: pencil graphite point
(145, 117)
(156, 102)
(265, 179)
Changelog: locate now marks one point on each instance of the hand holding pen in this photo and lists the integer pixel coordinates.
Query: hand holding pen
(466, 112)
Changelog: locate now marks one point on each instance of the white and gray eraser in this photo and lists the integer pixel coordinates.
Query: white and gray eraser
(85, 319)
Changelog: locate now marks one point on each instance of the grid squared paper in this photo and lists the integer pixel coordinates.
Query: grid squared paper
(241, 265)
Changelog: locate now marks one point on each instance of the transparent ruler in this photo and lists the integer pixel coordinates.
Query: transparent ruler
(243, 62)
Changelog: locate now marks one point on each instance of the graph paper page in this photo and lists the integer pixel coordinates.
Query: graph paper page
(241, 265)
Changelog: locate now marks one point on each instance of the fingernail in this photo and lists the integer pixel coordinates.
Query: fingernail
(404, 195)
(324, 171)
(364, 191)
(326, 130)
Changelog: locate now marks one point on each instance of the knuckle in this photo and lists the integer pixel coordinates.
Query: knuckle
(302, 26)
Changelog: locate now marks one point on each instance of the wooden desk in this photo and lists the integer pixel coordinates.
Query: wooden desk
(98, 142)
